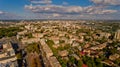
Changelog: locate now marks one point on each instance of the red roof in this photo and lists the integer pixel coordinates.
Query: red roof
(84, 65)
(82, 53)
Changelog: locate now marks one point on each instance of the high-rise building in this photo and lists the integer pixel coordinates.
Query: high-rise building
(117, 35)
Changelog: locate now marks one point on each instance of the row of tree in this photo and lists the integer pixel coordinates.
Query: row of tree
(9, 32)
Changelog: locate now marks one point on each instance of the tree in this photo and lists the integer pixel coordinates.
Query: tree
(79, 64)
(9, 32)
(19, 56)
(72, 59)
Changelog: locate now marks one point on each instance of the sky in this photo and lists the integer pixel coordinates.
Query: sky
(60, 9)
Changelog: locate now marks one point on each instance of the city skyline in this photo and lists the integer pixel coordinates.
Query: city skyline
(60, 9)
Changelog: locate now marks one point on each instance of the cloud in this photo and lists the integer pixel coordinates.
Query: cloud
(106, 2)
(41, 1)
(65, 3)
(56, 15)
(1, 12)
(99, 10)
(8, 16)
(64, 11)
(103, 11)
(59, 9)
(55, 9)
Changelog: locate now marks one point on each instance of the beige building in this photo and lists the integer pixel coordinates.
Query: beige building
(31, 40)
(46, 48)
(117, 35)
(37, 35)
(49, 54)
(54, 62)
(99, 47)
(114, 57)
(7, 55)
(63, 53)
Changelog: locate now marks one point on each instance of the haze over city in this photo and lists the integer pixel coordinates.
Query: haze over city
(60, 9)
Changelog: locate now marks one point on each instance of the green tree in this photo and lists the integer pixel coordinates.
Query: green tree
(19, 56)
(79, 64)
